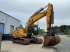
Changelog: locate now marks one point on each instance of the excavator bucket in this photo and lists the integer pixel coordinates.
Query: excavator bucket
(51, 40)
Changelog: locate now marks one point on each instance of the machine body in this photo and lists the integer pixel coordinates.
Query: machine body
(26, 35)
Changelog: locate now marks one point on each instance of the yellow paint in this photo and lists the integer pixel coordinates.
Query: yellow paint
(20, 32)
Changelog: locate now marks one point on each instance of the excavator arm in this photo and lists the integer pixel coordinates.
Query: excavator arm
(49, 17)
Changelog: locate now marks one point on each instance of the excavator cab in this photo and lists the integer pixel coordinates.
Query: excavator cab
(33, 31)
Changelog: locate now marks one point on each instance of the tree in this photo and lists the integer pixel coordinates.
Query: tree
(63, 28)
(55, 29)
(41, 31)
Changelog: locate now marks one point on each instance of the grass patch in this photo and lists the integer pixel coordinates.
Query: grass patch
(68, 35)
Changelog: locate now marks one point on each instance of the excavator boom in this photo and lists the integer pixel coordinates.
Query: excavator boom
(38, 15)
(33, 19)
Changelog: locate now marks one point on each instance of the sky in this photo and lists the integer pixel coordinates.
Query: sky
(23, 9)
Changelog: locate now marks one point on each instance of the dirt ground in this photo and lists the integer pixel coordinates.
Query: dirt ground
(8, 46)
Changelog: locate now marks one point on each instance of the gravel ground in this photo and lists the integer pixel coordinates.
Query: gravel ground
(8, 46)
(64, 45)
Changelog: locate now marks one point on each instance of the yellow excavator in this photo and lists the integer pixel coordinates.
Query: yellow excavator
(27, 34)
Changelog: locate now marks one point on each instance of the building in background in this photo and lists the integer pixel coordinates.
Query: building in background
(8, 23)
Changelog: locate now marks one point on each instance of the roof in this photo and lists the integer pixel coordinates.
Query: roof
(9, 15)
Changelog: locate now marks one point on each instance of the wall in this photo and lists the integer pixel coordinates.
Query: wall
(8, 21)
